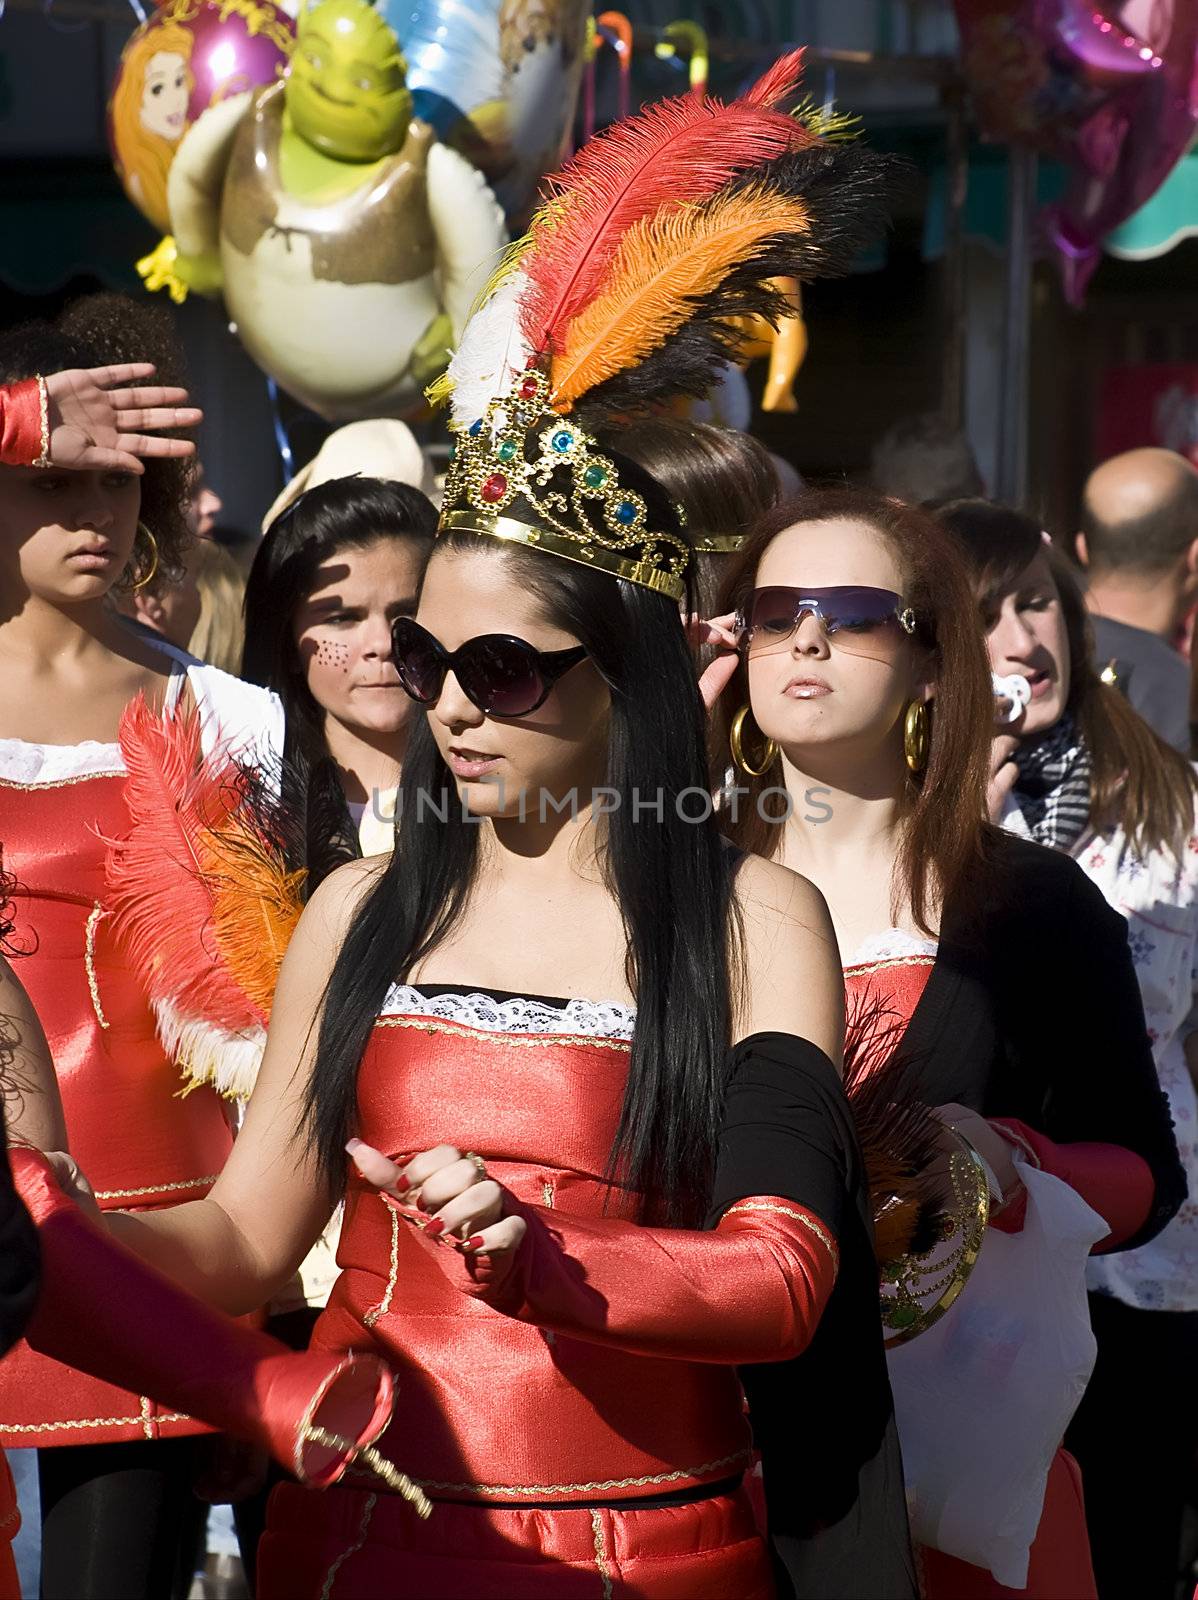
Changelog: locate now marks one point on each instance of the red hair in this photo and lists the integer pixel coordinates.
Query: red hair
(944, 831)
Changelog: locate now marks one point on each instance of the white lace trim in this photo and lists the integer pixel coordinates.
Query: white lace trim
(892, 944)
(601, 1019)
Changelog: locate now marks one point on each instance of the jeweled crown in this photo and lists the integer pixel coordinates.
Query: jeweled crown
(522, 450)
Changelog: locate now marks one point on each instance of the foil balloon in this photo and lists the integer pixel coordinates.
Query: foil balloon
(348, 241)
(498, 80)
(1043, 73)
(189, 55)
(1143, 137)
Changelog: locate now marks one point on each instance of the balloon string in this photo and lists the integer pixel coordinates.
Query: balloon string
(139, 11)
(281, 439)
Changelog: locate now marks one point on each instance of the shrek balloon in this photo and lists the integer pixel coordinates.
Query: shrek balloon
(348, 242)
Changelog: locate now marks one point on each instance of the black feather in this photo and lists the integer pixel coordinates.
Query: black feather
(848, 191)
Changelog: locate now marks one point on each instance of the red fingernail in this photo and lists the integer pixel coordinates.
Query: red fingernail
(402, 1184)
(473, 1242)
(435, 1226)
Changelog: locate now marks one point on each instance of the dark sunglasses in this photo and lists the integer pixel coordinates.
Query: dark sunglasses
(852, 617)
(500, 674)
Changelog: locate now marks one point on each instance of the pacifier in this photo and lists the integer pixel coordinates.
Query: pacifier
(1016, 691)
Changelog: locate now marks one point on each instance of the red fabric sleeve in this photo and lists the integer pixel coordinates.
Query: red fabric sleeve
(20, 423)
(751, 1289)
(1115, 1182)
(105, 1311)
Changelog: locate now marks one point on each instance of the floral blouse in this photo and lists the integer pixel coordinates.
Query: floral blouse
(1159, 897)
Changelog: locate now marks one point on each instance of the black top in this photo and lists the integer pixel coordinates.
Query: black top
(1150, 673)
(1032, 1010)
(823, 1421)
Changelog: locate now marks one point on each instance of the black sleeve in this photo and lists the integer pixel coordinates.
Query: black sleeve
(20, 1264)
(1104, 1086)
(786, 1129)
(824, 1422)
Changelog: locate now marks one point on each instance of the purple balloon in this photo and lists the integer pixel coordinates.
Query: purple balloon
(1042, 70)
(1144, 136)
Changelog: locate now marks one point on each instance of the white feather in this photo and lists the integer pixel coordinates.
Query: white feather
(492, 352)
(207, 1053)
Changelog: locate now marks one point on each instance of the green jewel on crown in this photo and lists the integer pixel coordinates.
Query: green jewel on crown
(523, 449)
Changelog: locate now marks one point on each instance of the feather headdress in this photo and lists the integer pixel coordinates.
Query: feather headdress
(652, 240)
(201, 898)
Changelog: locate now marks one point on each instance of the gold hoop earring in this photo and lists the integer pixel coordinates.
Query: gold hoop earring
(150, 572)
(917, 735)
(735, 734)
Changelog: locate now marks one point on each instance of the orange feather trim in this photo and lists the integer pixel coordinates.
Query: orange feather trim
(664, 266)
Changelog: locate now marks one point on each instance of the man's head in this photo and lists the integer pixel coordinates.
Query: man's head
(1140, 521)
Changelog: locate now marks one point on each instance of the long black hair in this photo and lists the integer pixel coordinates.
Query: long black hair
(101, 330)
(343, 514)
(671, 878)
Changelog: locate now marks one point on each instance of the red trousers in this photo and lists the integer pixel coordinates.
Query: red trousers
(350, 1544)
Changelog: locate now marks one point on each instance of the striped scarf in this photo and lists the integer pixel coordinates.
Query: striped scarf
(1053, 787)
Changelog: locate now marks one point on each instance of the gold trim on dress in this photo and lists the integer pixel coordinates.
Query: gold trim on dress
(601, 1553)
(540, 1490)
(156, 1188)
(384, 1305)
(864, 968)
(89, 962)
(92, 1422)
(820, 1233)
(459, 1031)
(352, 1550)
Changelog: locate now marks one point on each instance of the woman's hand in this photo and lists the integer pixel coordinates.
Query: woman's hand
(994, 1150)
(464, 1206)
(1004, 774)
(98, 424)
(72, 1182)
(717, 675)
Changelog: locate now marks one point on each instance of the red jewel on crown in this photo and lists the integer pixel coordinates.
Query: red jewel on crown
(495, 488)
(529, 388)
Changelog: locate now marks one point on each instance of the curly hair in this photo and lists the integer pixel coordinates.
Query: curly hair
(102, 330)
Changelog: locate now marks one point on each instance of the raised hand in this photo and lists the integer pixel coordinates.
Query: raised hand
(717, 675)
(99, 421)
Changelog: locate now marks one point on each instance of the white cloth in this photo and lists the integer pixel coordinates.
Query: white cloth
(1158, 896)
(983, 1397)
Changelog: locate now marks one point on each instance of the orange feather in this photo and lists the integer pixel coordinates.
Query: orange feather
(665, 264)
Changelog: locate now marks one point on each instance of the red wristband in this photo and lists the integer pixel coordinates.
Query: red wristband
(24, 424)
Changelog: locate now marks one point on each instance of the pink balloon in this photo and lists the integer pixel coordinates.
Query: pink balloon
(1042, 71)
(186, 56)
(1146, 133)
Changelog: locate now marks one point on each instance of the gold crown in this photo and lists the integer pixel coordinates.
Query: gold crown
(521, 449)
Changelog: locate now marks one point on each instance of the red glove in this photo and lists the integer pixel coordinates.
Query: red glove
(108, 1313)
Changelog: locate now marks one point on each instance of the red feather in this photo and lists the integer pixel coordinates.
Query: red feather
(775, 85)
(677, 151)
(175, 796)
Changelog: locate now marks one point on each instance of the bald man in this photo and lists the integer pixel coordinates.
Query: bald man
(1139, 544)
